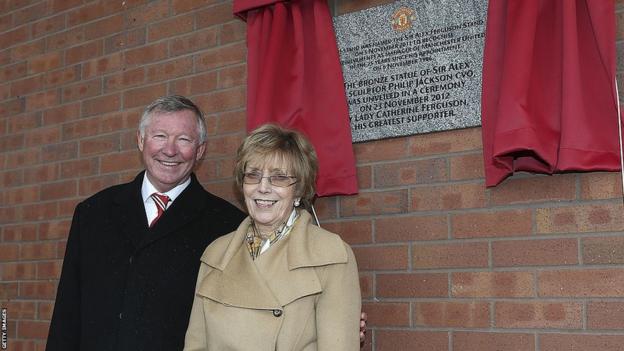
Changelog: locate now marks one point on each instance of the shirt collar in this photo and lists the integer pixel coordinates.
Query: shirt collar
(147, 189)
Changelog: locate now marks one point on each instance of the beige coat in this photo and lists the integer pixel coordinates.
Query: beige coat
(302, 294)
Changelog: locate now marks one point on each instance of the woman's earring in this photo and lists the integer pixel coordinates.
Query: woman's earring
(296, 203)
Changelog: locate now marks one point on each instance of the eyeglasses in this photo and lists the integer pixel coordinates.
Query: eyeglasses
(281, 181)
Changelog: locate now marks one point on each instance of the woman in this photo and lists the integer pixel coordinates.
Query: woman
(278, 282)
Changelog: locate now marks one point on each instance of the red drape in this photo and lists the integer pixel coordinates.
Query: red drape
(548, 102)
(295, 80)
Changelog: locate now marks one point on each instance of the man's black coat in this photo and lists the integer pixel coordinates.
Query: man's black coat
(125, 286)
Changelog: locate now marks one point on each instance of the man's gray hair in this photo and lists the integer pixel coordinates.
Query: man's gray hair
(173, 103)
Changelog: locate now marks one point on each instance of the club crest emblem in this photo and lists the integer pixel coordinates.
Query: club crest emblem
(402, 19)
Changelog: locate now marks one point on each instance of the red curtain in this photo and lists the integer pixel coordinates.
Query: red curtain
(548, 102)
(295, 80)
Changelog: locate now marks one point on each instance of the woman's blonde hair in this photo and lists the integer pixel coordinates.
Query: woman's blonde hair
(272, 143)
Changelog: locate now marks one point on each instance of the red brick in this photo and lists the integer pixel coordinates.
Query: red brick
(581, 283)
(233, 31)
(231, 122)
(61, 114)
(22, 195)
(9, 252)
(580, 342)
(353, 232)
(12, 72)
(222, 145)
(71, 37)
(41, 173)
(100, 105)
(447, 197)
(32, 329)
(601, 185)
(12, 107)
(366, 285)
(124, 40)
(102, 65)
(140, 97)
(27, 86)
(170, 69)
(381, 150)
(387, 314)
(148, 13)
(82, 90)
(480, 341)
(60, 5)
(119, 161)
(195, 41)
(84, 52)
(58, 152)
(15, 36)
(30, 13)
(45, 310)
(180, 6)
(469, 166)
(221, 56)
(43, 136)
(89, 186)
(20, 232)
(59, 190)
(38, 250)
(580, 219)
(22, 158)
(48, 25)
(364, 177)
(450, 255)
(491, 224)
(492, 284)
(607, 250)
(438, 314)
(105, 27)
(12, 142)
(27, 50)
(23, 122)
(8, 291)
(81, 128)
(540, 315)
(446, 142)
(232, 76)
(535, 252)
(412, 285)
(51, 230)
(170, 27)
(146, 54)
(534, 189)
(11, 178)
(93, 11)
(214, 15)
(382, 258)
(49, 270)
(196, 84)
(63, 76)
(20, 309)
(37, 290)
(605, 315)
(99, 145)
(371, 203)
(67, 207)
(18, 271)
(125, 79)
(42, 100)
(410, 172)
(393, 340)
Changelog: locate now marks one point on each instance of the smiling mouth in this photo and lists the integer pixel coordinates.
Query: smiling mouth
(168, 164)
(265, 203)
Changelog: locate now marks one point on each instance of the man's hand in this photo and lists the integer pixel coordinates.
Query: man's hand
(363, 319)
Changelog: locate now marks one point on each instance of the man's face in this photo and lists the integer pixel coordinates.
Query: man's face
(170, 148)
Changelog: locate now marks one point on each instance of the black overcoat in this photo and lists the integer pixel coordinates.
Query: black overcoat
(126, 287)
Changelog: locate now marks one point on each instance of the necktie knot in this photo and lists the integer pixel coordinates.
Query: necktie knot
(161, 201)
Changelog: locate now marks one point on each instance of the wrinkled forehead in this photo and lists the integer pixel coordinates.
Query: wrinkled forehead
(274, 161)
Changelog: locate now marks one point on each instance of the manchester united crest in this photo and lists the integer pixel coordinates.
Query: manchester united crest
(402, 19)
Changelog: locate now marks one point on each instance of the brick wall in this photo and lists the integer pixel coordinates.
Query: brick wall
(534, 264)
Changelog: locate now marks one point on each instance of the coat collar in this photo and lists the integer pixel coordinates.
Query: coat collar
(277, 277)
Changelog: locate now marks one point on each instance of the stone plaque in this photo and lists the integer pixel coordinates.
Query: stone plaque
(412, 67)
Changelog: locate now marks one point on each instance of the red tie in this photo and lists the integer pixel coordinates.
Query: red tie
(161, 202)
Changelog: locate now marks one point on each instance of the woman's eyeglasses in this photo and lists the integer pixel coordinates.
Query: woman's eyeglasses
(281, 181)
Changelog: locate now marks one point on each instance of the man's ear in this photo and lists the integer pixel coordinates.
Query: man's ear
(139, 141)
(200, 151)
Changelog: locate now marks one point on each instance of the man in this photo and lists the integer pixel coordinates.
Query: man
(128, 277)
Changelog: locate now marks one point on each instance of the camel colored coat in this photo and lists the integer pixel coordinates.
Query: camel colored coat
(302, 294)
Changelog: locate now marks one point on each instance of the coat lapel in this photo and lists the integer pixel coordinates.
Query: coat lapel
(129, 209)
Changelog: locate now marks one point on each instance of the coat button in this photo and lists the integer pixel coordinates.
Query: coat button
(131, 259)
(277, 313)
(120, 315)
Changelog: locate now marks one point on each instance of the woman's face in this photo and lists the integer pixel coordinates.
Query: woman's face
(268, 205)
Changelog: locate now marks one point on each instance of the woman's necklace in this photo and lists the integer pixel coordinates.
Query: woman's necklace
(255, 240)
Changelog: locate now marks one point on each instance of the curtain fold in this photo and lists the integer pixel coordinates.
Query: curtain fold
(548, 100)
(295, 80)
